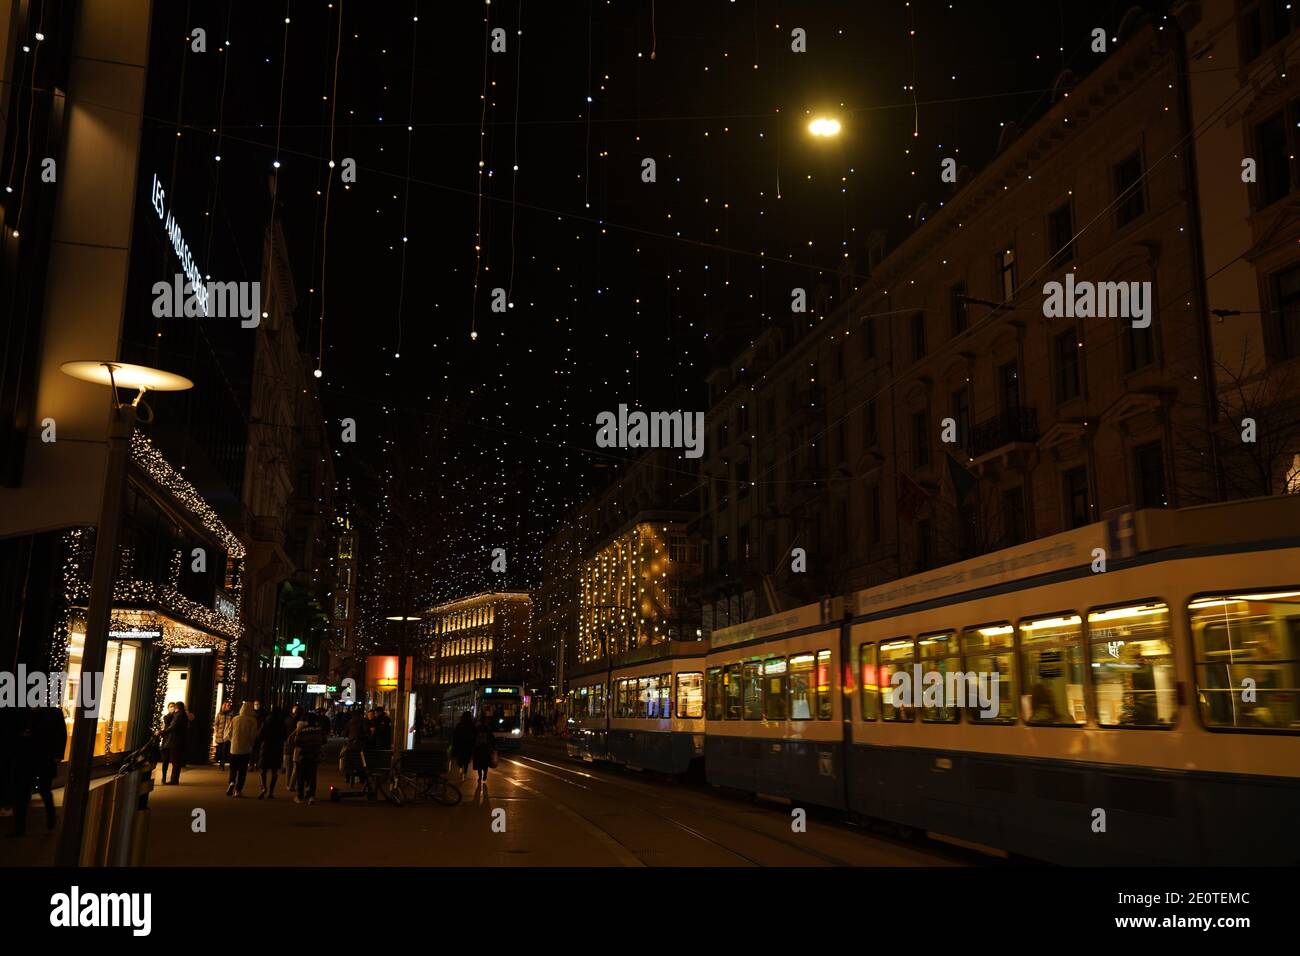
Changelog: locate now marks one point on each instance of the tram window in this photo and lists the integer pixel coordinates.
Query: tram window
(1051, 667)
(732, 691)
(598, 700)
(775, 703)
(825, 703)
(690, 696)
(647, 704)
(1133, 679)
(939, 654)
(752, 690)
(895, 656)
(713, 697)
(1248, 636)
(665, 696)
(990, 649)
(803, 689)
(870, 681)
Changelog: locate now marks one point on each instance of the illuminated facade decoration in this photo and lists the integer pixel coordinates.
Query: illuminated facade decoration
(632, 590)
(585, 601)
(485, 636)
(178, 586)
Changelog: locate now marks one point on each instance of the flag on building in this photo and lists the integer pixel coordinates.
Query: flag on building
(911, 497)
(962, 478)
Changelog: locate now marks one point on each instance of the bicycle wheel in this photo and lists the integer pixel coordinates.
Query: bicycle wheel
(388, 789)
(408, 788)
(445, 792)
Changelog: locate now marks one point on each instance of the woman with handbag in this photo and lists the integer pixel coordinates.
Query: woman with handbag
(485, 746)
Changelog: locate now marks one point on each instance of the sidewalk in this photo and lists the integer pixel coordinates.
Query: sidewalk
(246, 831)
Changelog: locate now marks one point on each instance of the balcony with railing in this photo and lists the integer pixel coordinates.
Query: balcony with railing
(1014, 426)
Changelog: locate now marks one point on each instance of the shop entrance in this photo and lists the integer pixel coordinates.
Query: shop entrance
(191, 678)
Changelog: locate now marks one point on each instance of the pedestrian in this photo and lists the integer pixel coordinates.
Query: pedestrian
(243, 732)
(485, 746)
(221, 732)
(175, 731)
(307, 740)
(418, 727)
(259, 713)
(40, 746)
(290, 725)
(462, 743)
(383, 733)
(161, 736)
(269, 746)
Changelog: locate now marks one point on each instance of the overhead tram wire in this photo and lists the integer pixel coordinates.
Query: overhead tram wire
(514, 173)
(406, 193)
(329, 187)
(478, 210)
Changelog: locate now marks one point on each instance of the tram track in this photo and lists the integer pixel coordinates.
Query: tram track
(683, 827)
(647, 791)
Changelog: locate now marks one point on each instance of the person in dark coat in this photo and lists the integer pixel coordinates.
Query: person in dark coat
(40, 747)
(383, 730)
(484, 745)
(270, 748)
(290, 725)
(308, 742)
(175, 731)
(462, 743)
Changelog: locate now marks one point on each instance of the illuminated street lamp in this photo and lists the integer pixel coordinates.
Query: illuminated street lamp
(824, 127)
(121, 424)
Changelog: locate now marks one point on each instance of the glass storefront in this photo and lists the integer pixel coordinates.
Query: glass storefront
(117, 693)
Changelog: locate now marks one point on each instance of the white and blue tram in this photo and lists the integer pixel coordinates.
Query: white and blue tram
(645, 710)
(1142, 695)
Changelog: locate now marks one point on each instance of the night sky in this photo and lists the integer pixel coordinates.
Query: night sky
(622, 291)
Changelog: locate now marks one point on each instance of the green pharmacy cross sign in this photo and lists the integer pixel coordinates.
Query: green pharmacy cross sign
(296, 647)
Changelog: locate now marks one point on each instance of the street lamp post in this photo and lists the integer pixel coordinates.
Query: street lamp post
(403, 726)
(95, 651)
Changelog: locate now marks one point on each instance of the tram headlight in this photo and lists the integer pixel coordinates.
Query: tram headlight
(515, 732)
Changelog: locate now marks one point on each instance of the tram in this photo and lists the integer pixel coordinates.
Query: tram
(1134, 695)
(501, 703)
(645, 712)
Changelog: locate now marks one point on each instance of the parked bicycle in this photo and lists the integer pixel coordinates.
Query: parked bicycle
(410, 780)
